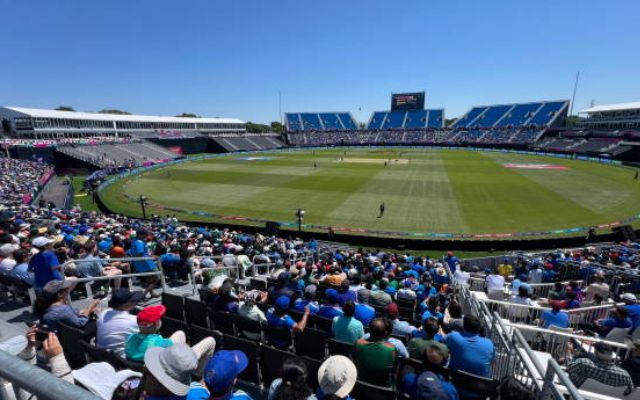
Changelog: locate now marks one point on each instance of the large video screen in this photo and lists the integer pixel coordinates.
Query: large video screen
(407, 101)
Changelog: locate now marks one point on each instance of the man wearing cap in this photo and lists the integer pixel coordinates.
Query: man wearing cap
(149, 321)
(52, 307)
(139, 249)
(331, 307)
(219, 377)
(633, 310)
(45, 264)
(601, 369)
(116, 323)
(278, 317)
(431, 384)
(452, 261)
(336, 377)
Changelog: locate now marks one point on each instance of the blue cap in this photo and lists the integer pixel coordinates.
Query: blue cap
(332, 295)
(223, 368)
(283, 302)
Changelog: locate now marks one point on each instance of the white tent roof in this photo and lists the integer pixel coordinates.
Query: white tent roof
(613, 107)
(42, 113)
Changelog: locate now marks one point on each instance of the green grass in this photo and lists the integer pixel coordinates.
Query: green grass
(80, 196)
(436, 191)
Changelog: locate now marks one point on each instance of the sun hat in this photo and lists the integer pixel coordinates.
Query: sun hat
(151, 314)
(223, 368)
(337, 376)
(54, 287)
(125, 296)
(628, 297)
(102, 379)
(172, 366)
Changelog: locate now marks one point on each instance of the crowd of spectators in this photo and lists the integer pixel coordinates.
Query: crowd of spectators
(20, 180)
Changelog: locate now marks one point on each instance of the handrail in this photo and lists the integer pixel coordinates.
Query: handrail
(42, 384)
(553, 368)
(568, 335)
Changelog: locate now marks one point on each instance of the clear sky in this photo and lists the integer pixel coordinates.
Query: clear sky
(231, 58)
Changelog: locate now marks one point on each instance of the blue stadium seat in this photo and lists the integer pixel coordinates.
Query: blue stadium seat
(311, 122)
(330, 121)
(395, 119)
(436, 119)
(469, 117)
(376, 120)
(491, 116)
(347, 121)
(547, 113)
(416, 119)
(292, 122)
(519, 114)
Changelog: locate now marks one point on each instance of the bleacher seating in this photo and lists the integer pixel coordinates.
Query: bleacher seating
(119, 155)
(412, 119)
(329, 121)
(245, 142)
(542, 113)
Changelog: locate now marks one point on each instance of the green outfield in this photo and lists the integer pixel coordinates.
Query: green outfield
(423, 190)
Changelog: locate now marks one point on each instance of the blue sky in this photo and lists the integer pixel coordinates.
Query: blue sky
(231, 58)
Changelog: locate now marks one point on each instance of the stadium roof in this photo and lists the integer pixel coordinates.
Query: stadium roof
(43, 113)
(613, 107)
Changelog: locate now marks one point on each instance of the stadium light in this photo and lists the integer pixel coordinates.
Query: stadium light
(143, 202)
(300, 216)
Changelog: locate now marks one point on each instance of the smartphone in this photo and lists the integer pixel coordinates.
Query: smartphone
(42, 332)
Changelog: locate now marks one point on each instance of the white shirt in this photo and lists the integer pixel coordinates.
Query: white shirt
(495, 282)
(461, 277)
(114, 328)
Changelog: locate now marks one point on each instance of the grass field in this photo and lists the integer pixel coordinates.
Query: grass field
(426, 191)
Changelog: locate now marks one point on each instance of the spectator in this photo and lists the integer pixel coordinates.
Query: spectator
(345, 293)
(331, 307)
(427, 335)
(308, 300)
(633, 309)
(293, 382)
(400, 328)
(535, 274)
(52, 307)
(168, 372)
(336, 378)
(139, 249)
(469, 351)
(149, 322)
(598, 287)
(376, 357)
(619, 319)
(346, 328)
(521, 299)
(555, 317)
(452, 261)
(227, 300)
(495, 285)
(44, 264)
(220, 376)
(380, 298)
(452, 320)
(8, 260)
(248, 309)
(116, 323)
(92, 266)
(430, 384)
(278, 317)
(21, 271)
(632, 363)
(364, 313)
(406, 292)
(601, 369)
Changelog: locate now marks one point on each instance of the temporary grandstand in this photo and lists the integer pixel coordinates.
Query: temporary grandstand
(35, 123)
(323, 121)
(410, 119)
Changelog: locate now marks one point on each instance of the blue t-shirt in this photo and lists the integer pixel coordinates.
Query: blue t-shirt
(329, 312)
(63, 313)
(274, 320)
(364, 314)
(199, 392)
(139, 249)
(470, 353)
(21, 272)
(452, 261)
(43, 266)
(300, 304)
(559, 319)
(346, 296)
(105, 245)
(170, 260)
(634, 315)
(610, 323)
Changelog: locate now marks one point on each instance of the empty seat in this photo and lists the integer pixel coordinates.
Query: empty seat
(70, 340)
(170, 326)
(271, 360)
(222, 321)
(336, 347)
(195, 312)
(174, 304)
(197, 333)
(251, 350)
(311, 343)
(364, 390)
(474, 384)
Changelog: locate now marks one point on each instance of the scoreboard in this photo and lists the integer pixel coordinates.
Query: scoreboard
(407, 101)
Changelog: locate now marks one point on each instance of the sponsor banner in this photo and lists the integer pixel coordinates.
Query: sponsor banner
(536, 166)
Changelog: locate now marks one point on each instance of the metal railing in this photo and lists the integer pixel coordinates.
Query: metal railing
(551, 390)
(28, 379)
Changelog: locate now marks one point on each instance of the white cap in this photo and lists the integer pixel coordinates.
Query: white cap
(41, 241)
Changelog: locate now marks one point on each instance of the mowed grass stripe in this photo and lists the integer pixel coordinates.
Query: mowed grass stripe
(604, 191)
(417, 197)
(495, 199)
(310, 193)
